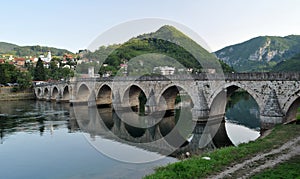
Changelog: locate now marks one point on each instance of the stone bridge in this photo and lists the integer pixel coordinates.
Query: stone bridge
(277, 94)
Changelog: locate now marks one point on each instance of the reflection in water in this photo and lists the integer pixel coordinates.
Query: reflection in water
(242, 110)
(240, 134)
(41, 136)
(169, 136)
(31, 117)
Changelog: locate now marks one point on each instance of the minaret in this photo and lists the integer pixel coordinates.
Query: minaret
(49, 56)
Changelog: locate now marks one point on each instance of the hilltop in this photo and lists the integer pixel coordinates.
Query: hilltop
(260, 53)
(165, 47)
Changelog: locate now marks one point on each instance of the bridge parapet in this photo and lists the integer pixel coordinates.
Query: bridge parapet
(258, 76)
(263, 76)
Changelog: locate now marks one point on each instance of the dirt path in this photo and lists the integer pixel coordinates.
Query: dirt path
(262, 161)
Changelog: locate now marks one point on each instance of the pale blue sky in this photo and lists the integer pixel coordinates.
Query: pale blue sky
(74, 24)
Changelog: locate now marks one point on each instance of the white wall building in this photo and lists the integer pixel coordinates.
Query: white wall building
(165, 70)
(46, 59)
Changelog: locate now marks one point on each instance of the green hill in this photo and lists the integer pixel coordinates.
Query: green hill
(38, 50)
(260, 53)
(8, 48)
(290, 65)
(165, 47)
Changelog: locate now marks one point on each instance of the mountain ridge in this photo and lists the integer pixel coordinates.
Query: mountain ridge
(260, 53)
(34, 50)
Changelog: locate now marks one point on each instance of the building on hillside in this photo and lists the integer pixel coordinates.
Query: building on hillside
(68, 56)
(46, 59)
(19, 61)
(164, 70)
(2, 61)
(209, 70)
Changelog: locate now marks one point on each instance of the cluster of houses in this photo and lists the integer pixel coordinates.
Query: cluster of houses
(22, 61)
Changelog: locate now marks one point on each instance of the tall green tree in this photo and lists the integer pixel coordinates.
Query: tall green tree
(8, 73)
(39, 71)
(24, 80)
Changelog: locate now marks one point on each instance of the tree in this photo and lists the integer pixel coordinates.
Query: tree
(8, 73)
(39, 71)
(24, 80)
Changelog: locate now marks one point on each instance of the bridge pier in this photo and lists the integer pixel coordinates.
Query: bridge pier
(151, 104)
(272, 113)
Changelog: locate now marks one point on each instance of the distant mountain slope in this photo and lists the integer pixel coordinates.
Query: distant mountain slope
(260, 53)
(290, 65)
(6, 47)
(38, 50)
(167, 41)
(30, 50)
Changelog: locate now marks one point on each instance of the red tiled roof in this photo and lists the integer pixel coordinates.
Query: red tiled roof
(19, 59)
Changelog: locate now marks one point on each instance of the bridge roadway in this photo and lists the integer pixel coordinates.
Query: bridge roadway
(277, 94)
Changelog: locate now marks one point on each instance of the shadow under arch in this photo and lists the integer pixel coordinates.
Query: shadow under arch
(46, 92)
(291, 114)
(66, 94)
(135, 98)
(83, 93)
(174, 95)
(104, 96)
(39, 92)
(55, 93)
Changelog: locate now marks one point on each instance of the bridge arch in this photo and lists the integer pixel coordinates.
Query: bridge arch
(46, 92)
(220, 98)
(104, 95)
(39, 92)
(131, 96)
(167, 96)
(55, 93)
(66, 93)
(230, 88)
(83, 93)
(292, 106)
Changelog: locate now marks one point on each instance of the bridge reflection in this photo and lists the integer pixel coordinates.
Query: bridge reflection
(168, 136)
(162, 133)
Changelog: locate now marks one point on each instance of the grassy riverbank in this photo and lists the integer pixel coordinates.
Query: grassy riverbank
(9, 94)
(196, 167)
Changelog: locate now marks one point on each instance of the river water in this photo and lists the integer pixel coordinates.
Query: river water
(43, 140)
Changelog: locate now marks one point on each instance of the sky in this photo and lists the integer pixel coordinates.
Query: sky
(75, 24)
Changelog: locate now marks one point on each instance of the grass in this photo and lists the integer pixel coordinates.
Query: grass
(288, 169)
(298, 114)
(196, 167)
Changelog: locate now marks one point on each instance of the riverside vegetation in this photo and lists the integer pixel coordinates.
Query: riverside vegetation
(197, 167)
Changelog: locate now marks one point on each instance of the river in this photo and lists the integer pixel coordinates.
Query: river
(43, 140)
